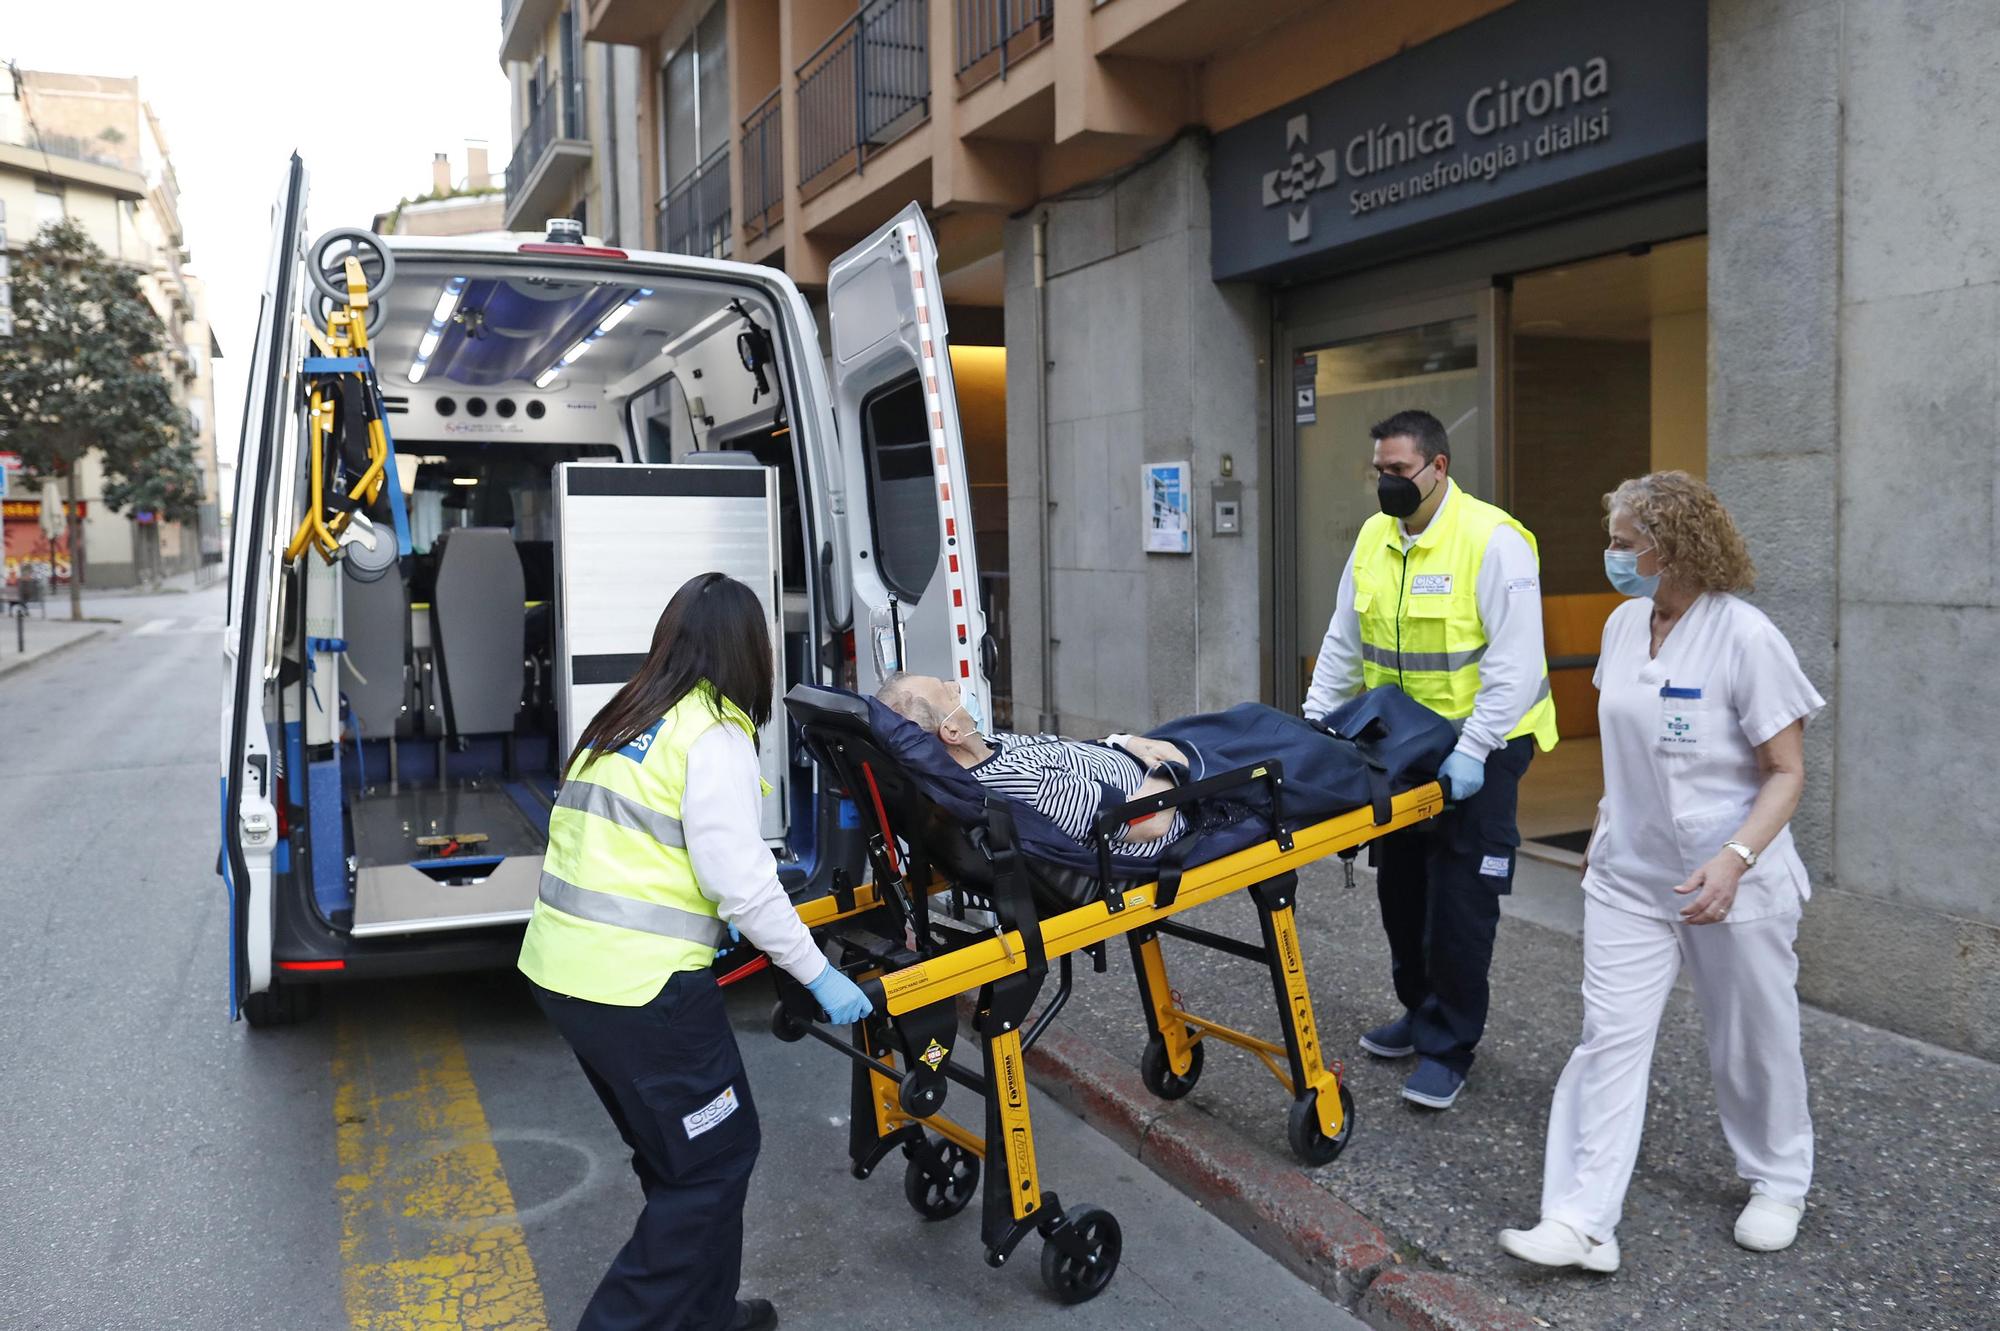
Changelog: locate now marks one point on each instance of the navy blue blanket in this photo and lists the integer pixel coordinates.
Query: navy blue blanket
(1324, 775)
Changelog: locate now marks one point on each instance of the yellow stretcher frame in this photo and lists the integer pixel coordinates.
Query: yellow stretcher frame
(916, 1012)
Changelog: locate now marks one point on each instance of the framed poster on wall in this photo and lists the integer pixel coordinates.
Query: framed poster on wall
(1168, 507)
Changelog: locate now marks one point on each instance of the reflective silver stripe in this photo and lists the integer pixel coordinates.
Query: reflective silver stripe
(1389, 659)
(1543, 693)
(648, 917)
(588, 797)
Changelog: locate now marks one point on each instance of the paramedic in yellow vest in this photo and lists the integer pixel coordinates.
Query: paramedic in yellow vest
(654, 853)
(1442, 598)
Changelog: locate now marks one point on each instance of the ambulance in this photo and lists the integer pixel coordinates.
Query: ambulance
(572, 430)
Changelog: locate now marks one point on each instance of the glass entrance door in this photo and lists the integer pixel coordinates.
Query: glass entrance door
(1345, 375)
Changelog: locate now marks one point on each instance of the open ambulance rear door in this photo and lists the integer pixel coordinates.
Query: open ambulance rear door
(250, 652)
(914, 573)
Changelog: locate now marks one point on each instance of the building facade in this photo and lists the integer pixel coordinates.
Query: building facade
(1597, 237)
(89, 149)
(574, 112)
(454, 205)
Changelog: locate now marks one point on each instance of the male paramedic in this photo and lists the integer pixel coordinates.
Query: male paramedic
(1442, 598)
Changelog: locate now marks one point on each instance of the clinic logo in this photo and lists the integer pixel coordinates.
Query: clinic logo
(1294, 184)
(1678, 728)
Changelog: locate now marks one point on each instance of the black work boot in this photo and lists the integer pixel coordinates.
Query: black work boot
(753, 1315)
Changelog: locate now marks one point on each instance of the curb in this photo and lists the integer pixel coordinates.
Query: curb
(1327, 1243)
(8, 667)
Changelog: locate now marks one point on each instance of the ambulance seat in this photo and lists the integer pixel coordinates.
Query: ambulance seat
(478, 630)
(375, 619)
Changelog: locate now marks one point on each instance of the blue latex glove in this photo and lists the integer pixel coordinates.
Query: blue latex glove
(841, 997)
(734, 936)
(1462, 777)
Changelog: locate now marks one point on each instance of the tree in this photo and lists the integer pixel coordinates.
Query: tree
(86, 369)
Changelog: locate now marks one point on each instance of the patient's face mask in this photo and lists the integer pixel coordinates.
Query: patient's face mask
(970, 706)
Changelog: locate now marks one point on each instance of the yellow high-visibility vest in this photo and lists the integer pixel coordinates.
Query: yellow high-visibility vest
(1419, 611)
(619, 911)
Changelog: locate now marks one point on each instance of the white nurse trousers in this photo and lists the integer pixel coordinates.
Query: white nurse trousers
(1745, 979)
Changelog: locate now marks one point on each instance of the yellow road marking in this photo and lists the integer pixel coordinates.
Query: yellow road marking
(429, 1238)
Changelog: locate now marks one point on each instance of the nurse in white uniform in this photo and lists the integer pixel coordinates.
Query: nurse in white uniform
(1702, 707)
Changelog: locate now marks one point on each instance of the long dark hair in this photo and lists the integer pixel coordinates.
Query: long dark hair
(712, 630)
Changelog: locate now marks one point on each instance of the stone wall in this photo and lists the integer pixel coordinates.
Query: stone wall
(1148, 361)
(1854, 296)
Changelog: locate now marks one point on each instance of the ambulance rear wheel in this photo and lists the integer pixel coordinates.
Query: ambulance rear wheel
(1302, 1130)
(1079, 1273)
(939, 1197)
(1157, 1070)
(784, 1025)
(281, 1005)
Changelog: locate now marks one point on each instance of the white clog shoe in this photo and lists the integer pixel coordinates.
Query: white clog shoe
(1553, 1243)
(1767, 1224)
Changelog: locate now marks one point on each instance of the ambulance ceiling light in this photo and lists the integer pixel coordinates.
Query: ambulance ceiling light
(441, 316)
(576, 353)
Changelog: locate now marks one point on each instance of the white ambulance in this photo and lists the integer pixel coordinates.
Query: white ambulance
(576, 430)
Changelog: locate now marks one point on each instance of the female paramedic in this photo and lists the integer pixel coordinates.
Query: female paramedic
(1702, 707)
(654, 853)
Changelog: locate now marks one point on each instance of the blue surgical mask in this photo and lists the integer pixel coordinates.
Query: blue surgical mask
(969, 704)
(1622, 567)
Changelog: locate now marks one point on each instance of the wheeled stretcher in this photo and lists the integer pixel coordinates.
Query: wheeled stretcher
(956, 911)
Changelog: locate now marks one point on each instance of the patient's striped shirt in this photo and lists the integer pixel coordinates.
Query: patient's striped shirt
(1071, 781)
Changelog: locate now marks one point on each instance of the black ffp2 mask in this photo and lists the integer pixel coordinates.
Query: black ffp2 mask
(1399, 495)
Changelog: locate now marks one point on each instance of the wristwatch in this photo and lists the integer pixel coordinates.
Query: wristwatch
(1749, 855)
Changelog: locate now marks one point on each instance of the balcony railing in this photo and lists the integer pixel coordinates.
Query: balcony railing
(694, 215)
(762, 167)
(994, 34)
(95, 151)
(560, 116)
(868, 85)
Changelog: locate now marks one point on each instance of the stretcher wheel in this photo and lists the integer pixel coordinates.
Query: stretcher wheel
(1157, 1071)
(784, 1025)
(1078, 1276)
(936, 1198)
(1302, 1129)
(328, 273)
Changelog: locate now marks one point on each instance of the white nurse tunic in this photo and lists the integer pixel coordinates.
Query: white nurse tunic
(1680, 773)
(1680, 733)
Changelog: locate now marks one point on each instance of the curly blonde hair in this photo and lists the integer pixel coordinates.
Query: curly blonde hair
(1691, 529)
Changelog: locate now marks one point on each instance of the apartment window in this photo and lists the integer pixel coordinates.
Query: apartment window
(694, 97)
(198, 416)
(48, 206)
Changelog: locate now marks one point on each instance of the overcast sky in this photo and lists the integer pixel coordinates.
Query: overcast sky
(241, 84)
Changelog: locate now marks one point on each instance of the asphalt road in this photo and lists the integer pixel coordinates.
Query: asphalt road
(376, 1167)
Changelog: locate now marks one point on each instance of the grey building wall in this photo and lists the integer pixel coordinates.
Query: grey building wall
(1854, 389)
(1148, 361)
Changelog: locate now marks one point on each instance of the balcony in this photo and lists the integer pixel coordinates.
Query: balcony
(993, 35)
(522, 23)
(695, 215)
(763, 169)
(548, 157)
(868, 85)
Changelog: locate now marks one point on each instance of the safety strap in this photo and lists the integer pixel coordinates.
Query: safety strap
(608, 804)
(646, 917)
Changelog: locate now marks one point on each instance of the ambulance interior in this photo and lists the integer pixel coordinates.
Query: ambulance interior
(421, 759)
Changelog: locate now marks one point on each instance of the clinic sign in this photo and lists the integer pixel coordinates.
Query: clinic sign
(1542, 108)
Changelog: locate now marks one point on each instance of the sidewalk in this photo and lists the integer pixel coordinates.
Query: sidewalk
(42, 637)
(1902, 1229)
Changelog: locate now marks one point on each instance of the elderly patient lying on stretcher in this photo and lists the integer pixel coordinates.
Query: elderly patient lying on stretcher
(1070, 780)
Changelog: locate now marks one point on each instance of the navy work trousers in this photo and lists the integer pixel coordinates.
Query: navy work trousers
(672, 1078)
(1440, 885)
